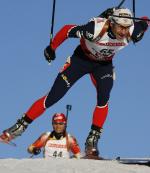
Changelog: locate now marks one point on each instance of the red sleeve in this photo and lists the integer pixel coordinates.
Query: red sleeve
(61, 36)
(40, 142)
(75, 149)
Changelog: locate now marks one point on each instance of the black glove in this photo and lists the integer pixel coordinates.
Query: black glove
(107, 13)
(36, 151)
(49, 54)
(138, 32)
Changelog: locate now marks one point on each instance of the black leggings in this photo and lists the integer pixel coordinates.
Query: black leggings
(101, 72)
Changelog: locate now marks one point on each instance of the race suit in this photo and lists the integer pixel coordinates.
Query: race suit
(93, 56)
(57, 148)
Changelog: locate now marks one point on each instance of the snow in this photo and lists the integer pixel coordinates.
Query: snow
(67, 166)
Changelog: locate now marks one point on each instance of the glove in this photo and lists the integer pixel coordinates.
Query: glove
(36, 151)
(49, 54)
(107, 13)
(33, 150)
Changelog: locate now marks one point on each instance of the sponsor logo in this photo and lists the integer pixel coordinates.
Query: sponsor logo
(65, 78)
(66, 65)
(89, 35)
(124, 15)
(107, 76)
(139, 35)
(57, 146)
(111, 44)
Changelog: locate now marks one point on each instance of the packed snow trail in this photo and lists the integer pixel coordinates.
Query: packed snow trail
(67, 166)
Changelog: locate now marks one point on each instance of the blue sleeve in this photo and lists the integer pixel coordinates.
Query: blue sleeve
(86, 31)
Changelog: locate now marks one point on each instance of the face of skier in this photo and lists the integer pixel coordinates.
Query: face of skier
(59, 127)
(59, 122)
(121, 32)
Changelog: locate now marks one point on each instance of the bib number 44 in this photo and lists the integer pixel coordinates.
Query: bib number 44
(57, 154)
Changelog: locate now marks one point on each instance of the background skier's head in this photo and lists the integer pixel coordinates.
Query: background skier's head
(59, 122)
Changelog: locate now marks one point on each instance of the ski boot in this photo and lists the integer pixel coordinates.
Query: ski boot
(91, 148)
(15, 131)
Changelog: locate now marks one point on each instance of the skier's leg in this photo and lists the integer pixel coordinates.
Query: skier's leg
(62, 84)
(103, 81)
(73, 69)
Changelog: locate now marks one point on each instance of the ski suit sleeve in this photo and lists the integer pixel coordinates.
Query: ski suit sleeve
(39, 143)
(73, 31)
(139, 29)
(74, 147)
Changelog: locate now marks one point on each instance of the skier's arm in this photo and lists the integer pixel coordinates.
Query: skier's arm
(35, 148)
(69, 31)
(139, 29)
(60, 37)
(74, 147)
(73, 31)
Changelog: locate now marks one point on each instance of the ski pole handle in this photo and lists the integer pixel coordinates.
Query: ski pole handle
(68, 107)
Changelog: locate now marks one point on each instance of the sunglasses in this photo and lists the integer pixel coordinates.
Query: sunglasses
(60, 123)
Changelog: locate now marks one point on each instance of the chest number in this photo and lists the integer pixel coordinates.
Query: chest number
(57, 154)
(107, 52)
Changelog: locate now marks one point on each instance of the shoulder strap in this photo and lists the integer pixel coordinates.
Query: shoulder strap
(129, 38)
(104, 29)
(68, 142)
(48, 137)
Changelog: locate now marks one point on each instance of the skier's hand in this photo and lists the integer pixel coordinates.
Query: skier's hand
(49, 54)
(107, 13)
(36, 151)
(33, 150)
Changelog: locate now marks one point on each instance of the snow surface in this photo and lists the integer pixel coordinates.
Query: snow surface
(67, 166)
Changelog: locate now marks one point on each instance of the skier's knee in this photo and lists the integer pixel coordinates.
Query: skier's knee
(102, 102)
(48, 102)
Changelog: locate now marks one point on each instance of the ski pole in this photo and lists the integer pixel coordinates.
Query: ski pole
(52, 25)
(68, 107)
(134, 18)
(121, 3)
(133, 8)
(52, 21)
(31, 156)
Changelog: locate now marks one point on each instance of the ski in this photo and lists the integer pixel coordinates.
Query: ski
(129, 161)
(134, 161)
